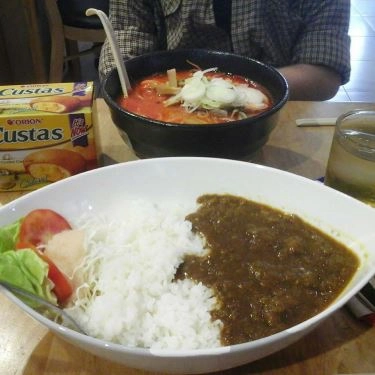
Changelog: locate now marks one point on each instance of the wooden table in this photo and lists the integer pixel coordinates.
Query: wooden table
(340, 345)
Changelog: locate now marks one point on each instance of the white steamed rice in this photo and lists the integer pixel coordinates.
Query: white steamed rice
(132, 256)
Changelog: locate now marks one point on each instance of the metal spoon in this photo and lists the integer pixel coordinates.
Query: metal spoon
(66, 318)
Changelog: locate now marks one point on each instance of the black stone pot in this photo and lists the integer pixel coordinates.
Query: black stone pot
(234, 140)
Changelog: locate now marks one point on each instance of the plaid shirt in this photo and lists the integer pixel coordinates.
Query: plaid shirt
(277, 32)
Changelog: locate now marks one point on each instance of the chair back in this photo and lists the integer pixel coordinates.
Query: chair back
(65, 33)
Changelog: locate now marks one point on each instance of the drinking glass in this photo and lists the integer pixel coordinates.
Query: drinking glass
(351, 163)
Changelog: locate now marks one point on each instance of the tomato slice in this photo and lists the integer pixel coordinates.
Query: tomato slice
(38, 226)
(24, 245)
(62, 287)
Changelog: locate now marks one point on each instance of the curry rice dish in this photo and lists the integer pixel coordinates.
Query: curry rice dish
(231, 271)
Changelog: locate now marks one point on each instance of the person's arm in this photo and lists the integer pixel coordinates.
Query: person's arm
(321, 54)
(311, 82)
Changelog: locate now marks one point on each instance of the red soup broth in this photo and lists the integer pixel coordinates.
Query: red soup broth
(144, 100)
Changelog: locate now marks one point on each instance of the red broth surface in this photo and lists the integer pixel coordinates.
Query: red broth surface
(145, 101)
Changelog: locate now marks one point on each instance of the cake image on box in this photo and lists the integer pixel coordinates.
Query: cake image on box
(46, 134)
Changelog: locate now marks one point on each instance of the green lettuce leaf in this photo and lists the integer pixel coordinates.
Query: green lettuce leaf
(25, 269)
(9, 235)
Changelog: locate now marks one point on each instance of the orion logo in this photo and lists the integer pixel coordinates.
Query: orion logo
(26, 121)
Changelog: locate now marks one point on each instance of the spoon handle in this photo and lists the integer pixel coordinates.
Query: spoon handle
(50, 306)
(324, 121)
(123, 75)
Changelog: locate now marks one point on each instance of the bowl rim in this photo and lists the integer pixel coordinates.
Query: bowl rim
(157, 123)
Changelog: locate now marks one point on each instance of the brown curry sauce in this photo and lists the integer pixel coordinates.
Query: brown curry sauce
(270, 270)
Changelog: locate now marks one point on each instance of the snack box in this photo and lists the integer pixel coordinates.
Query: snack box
(46, 133)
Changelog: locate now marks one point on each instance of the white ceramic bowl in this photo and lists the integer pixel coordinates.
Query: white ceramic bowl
(186, 178)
